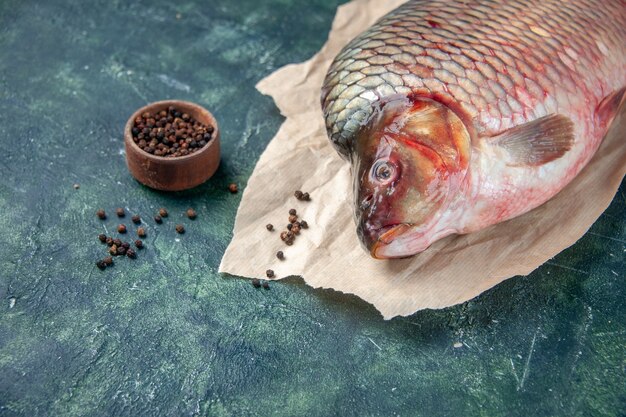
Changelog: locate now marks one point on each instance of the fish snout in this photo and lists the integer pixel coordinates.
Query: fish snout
(375, 238)
(374, 222)
(368, 234)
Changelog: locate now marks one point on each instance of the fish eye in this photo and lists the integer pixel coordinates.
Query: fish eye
(383, 171)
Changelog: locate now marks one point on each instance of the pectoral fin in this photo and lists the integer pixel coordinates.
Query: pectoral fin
(610, 105)
(537, 142)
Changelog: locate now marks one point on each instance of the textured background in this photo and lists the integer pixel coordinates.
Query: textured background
(165, 335)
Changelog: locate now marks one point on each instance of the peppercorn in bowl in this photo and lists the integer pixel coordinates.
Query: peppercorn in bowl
(172, 145)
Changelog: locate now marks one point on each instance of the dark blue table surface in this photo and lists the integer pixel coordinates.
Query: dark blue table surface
(166, 335)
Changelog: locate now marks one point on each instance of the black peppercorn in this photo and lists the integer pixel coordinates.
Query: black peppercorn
(306, 197)
(136, 219)
(191, 213)
(121, 250)
(120, 212)
(126, 245)
(163, 212)
(293, 218)
(292, 212)
(108, 261)
(117, 242)
(269, 227)
(266, 285)
(131, 254)
(269, 273)
(256, 283)
(298, 194)
(100, 264)
(158, 219)
(180, 228)
(280, 255)
(101, 214)
(141, 232)
(289, 226)
(121, 228)
(138, 244)
(109, 241)
(304, 224)
(233, 188)
(102, 237)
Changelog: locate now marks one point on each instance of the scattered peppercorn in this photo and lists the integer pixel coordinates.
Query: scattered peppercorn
(158, 219)
(108, 261)
(180, 228)
(170, 133)
(101, 214)
(100, 264)
(256, 283)
(102, 237)
(296, 229)
(109, 241)
(269, 273)
(121, 250)
(121, 228)
(304, 224)
(280, 255)
(120, 212)
(131, 253)
(292, 212)
(269, 227)
(113, 250)
(117, 242)
(163, 212)
(138, 244)
(293, 218)
(191, 213)
(302, 196)
(141, 232)
(266, 285)
(126, 245)
(136, 219)
(287, 237)
(289, 226)
(233, 188)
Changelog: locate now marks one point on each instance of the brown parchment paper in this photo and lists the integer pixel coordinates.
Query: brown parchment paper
(328, 254)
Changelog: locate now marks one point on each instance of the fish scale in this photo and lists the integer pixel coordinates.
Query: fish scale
(504, 63)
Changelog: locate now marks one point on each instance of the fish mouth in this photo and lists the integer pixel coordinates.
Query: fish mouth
(398, 240)
(375, 239)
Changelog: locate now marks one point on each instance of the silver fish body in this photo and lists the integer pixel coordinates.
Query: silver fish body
(499, 66)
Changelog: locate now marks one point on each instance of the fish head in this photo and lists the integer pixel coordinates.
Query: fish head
(405, 167)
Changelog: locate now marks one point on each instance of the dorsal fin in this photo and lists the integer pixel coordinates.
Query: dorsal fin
(537, 142)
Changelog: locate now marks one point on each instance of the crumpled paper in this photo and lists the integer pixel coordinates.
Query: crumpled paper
(328, 254)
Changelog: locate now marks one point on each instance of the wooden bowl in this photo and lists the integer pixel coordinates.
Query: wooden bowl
(179, 173)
